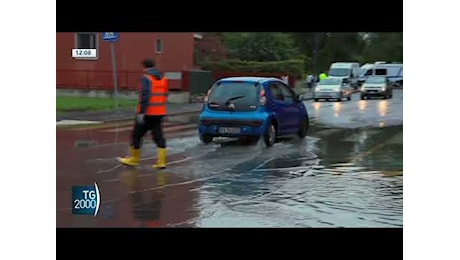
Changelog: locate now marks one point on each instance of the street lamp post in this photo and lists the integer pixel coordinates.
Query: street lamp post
(315, 56)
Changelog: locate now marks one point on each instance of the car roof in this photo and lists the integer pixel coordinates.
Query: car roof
(260, 80)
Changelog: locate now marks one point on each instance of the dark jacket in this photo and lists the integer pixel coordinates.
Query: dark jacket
(145, 88)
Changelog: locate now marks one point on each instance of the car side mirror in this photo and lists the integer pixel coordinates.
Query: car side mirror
(299, 98)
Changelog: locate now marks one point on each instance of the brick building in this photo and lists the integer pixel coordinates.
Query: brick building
(173, 53)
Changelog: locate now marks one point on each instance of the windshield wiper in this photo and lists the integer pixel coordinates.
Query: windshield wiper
(233, 98)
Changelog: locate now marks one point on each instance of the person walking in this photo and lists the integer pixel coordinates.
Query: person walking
(151, 109)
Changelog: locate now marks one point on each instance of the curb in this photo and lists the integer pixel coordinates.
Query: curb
(126, 118)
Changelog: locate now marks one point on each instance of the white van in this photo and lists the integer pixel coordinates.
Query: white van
(393, 71)
(349, 70)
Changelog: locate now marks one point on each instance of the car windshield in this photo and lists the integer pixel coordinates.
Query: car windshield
(339, 72)
(237, 96)
(375, 80)
(362, 71)
(330, 81)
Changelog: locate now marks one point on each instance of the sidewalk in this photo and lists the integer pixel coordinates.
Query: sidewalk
(128, 114)
(123, 114)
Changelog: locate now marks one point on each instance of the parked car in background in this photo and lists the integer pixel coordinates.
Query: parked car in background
(377, 86)
(333, 88)
(250, 108)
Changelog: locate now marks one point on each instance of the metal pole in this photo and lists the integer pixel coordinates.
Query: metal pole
(114, 68)
(315, 55)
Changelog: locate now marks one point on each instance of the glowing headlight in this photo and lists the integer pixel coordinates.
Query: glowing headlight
(383, 88)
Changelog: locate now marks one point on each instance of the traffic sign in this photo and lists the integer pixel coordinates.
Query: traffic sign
(109, 36)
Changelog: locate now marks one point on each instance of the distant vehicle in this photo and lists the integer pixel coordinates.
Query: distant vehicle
(394, 72)
(376, 86)
(333, 88)
(348, 70)
(250, 108)
(363, 69)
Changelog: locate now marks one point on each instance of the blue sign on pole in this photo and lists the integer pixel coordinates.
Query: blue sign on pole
(109, 36)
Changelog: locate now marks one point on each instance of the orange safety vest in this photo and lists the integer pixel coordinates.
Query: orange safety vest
(158, 97)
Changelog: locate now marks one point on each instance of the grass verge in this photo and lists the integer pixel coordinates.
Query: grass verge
(64, 104)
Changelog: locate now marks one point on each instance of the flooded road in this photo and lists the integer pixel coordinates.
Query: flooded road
(346, 173)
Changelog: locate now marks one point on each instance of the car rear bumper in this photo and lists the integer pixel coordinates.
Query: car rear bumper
(325, 95)
(235, 125)
(374, 93)
(216, 130)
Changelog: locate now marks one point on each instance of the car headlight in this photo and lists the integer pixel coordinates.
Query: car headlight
(317, 89)
(362, 88)
(383, 88)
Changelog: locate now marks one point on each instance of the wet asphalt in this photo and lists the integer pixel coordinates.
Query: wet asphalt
(348, 172)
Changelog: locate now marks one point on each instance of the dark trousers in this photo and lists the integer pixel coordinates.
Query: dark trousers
(152, 123)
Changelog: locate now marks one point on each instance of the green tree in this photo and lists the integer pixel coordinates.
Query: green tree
(263, 46)
(329, 48)
(386, 46)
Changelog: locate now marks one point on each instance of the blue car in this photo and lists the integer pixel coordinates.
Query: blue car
(250, 108)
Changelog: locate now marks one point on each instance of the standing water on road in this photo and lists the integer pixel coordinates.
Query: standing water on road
(346, 173)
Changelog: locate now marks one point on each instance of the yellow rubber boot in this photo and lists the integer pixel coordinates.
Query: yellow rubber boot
(161, 161)
(133, 159)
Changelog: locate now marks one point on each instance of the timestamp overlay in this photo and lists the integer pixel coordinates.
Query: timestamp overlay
(84, 53)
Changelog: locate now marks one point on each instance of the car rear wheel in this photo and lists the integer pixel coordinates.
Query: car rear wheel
(304, 127)
(270, 135)
(206, 139)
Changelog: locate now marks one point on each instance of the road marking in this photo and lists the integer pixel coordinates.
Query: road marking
(76, 122)
(172, 185)
(166, 128)
(108, 170)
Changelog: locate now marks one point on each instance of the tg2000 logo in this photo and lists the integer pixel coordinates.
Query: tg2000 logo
(85, 200)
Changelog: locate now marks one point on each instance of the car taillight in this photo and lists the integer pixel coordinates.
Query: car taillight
(205, 122)
(207, 96)
(263, 99)
(255, 123)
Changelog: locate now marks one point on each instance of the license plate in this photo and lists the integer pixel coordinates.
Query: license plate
(229, 130)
